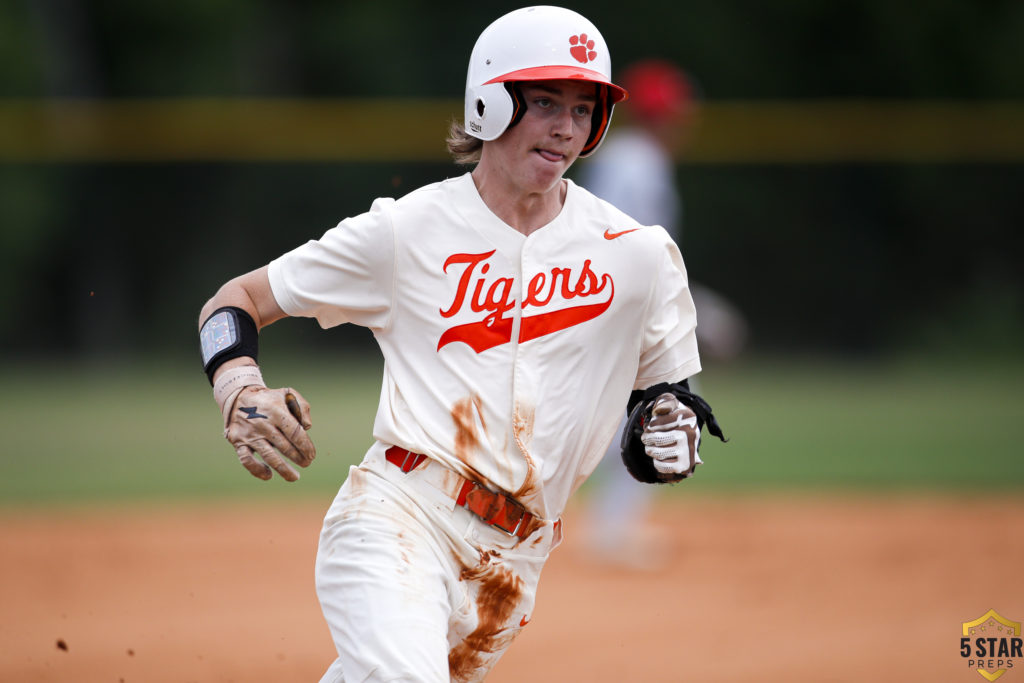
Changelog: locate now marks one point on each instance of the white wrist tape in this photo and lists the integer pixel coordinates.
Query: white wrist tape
(230, 383)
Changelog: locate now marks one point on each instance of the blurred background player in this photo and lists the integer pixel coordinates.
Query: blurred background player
(636, 171)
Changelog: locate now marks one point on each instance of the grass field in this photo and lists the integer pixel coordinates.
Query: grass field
(77, 434)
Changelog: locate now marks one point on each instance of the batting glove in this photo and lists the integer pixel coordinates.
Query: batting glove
(671, 437)
(264, 422)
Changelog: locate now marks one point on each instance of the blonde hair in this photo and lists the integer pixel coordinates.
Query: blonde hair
(464, 148)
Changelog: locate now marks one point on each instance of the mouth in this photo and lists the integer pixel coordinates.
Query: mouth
(549, 155)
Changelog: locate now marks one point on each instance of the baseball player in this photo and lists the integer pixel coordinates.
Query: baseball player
(516, 312)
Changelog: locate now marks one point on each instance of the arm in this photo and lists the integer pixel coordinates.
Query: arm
(257, 420)
(251, 293)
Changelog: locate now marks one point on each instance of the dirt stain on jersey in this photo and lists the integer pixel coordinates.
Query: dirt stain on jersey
(499, 592)
(404, 546)
(466, 414)
(522, 431)
(522, 424)
(356, 483)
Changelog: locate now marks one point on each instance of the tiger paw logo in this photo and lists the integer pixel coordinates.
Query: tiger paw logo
(991, 644)
(582, 49)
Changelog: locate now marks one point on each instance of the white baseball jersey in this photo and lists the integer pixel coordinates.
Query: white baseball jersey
(508, 357)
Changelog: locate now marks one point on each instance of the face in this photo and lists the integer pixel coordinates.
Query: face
(534, 154)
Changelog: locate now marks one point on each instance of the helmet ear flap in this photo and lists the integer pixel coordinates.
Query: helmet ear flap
(518, 103)
(488, 109)
(599, 120)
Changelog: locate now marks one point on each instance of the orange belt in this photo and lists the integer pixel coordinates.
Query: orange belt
(496, 509)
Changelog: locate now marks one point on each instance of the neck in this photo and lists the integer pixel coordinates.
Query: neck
(522, 210)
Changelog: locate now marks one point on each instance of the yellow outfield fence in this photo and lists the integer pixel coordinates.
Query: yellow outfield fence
(400, 130)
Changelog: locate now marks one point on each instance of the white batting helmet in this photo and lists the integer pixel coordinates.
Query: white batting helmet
(536, 44)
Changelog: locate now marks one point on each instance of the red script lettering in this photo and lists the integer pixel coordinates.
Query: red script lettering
(494, 298)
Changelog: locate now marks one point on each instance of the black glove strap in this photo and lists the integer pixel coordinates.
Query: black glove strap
(680, 390)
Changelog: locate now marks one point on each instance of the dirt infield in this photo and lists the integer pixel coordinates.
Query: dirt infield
(754, 589)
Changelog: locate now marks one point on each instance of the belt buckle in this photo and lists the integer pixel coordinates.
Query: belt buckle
(519, 522)
(504, 504)
(492, 507)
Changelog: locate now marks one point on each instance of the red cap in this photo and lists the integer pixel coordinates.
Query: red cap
(657, 89)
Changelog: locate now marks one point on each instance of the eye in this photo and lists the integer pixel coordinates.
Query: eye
(582, 110)
(542, 102)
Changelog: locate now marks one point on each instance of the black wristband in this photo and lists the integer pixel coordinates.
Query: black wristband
(229, 332)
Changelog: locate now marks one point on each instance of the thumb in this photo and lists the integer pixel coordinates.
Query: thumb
(298, 407)
(664, 404)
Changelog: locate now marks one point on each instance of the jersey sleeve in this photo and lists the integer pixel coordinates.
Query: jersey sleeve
(669, 346)
(346, 276)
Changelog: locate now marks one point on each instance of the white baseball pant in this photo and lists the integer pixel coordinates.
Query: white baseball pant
(414, 588)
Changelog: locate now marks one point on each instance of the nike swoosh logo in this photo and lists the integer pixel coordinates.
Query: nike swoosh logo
(609, 235)
(251, 414)
(524, 621)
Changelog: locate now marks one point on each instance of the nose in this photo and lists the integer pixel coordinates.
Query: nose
(562, 125)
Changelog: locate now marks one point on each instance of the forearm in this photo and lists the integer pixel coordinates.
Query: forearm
(232, 293)
(262, 424)
(250, 293)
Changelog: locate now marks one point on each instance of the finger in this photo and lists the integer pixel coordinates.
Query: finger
(293, 405)
(665, 403)
(301, 457)
(674, 463)
(302, 443)
(671, 454)
(274, 459)
(287, 434)
(255, 467)
(667, 467)
(298, 407)
(660, 439)
(673, 420)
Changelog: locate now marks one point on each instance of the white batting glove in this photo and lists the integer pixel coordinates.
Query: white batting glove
(264, 422)
(671, 437)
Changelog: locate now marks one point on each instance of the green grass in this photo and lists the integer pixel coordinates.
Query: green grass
(79, 434)
(114, 433)
(910, 425)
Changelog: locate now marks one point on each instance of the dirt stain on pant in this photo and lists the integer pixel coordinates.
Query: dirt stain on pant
(498, 594)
